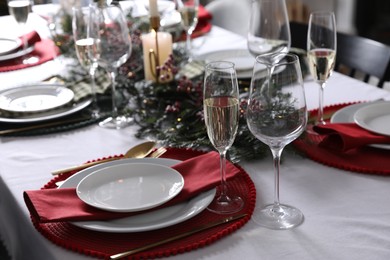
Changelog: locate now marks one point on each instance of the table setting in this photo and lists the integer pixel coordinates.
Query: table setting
(189, 204)
(198, 171)
(343, 143)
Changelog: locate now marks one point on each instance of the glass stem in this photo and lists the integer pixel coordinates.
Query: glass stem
(320, 116)
(222, 162)
(92, 71)
(270, 71)
(113, 86)
(276, 153)
(188, 41)
(25, 43)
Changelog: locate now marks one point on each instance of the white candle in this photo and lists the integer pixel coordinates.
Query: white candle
(164, 50)
(153, 10)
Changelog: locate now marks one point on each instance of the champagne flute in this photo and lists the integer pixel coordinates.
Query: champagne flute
(321, 52)
(277, 115)
(221, 113)
(87, 46)
(188, 10)
(20, 10)
(114, 51)
(269, 28)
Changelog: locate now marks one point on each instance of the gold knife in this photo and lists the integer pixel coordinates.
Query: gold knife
(180, 236)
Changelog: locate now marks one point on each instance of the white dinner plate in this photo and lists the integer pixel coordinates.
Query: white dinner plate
(35, 98)
(130, 187)
(346, 115)
(48, 115)
(153, 220)
(16, 54)
(241, 58)
(374, 117)
(8, 45)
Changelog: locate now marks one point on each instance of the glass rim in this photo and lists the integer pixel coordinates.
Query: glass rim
(223, 65)
(322, 13)
(261, 59)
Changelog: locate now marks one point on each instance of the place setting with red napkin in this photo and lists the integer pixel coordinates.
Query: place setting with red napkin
(346, 145)
(43, 50)
(54, 209)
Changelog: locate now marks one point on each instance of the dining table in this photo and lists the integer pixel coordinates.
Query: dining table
(346, 211)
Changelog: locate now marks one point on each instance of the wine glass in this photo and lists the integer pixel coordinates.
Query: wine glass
(221, 113)
(114, 51)
(188, 10)
(321, 52)
(20, 10)
(277, 115)
(87, 46)
(269, 28)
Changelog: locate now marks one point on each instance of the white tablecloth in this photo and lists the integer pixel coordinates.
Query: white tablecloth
(347, 214)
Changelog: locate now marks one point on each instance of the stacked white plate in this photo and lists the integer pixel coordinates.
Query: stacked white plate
(135, 185)
(10, 48)
(242, 59)
(372, 116)
(38, 102)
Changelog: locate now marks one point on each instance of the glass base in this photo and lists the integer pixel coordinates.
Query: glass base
(278, 217)
(226, 204)
(118, 122)
(95, 113)
(310, 130)
(30, 60)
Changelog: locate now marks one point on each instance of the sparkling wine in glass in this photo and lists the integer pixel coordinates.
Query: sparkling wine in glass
(20, 10)
(85, 34)
(188, 10)
(269, 29)
(321, 52)
(277, 115)
(114, 51)
(221, 113)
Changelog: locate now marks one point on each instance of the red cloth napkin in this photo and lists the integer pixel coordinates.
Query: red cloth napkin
(32, 38)
(200, 174)
(44, 50)
(348, 136)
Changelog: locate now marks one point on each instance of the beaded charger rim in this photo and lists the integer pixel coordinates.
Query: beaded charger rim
(102, 245)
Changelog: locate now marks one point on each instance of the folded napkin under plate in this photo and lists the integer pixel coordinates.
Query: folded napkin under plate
(44, 50)
(361, 158)
(347, 136)
(200, 174)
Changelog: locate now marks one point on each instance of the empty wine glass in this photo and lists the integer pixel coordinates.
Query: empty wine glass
(221, 113)
(85, 36)
(321, 52)
(269, 29)
(188, 10)
(20, 10)
(277, 115)
(115, 49)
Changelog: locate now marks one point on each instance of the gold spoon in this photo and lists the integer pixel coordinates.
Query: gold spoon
(139, 151)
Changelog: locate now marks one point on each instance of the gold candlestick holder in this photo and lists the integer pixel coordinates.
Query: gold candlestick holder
(154, 54)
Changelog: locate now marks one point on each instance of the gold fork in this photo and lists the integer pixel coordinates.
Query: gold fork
(160, 151)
